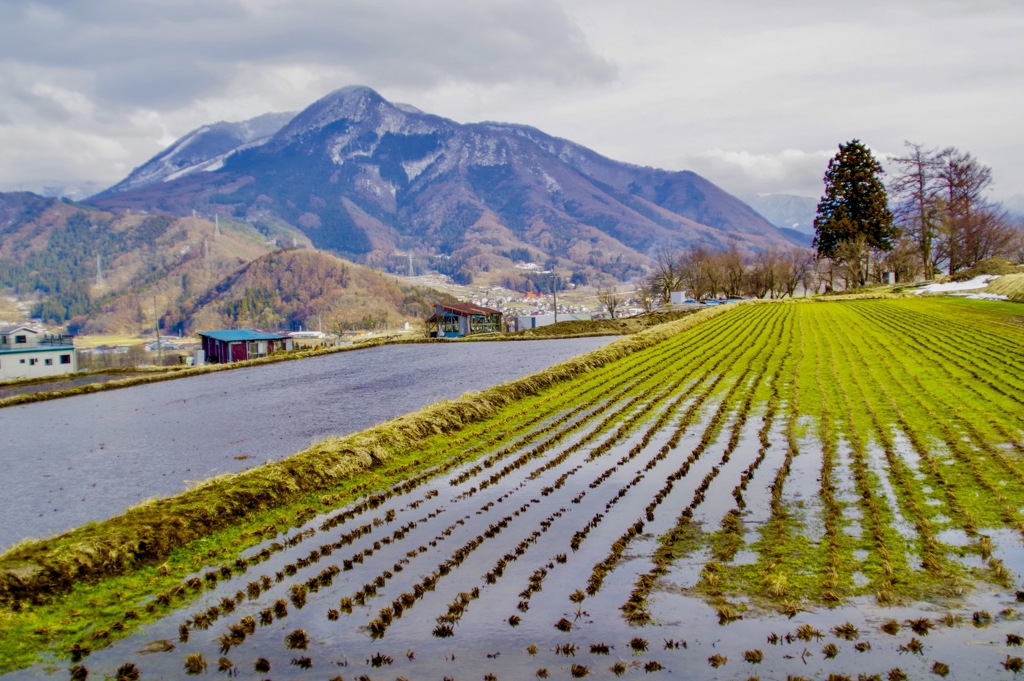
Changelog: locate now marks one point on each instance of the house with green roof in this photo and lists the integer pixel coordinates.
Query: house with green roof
(235, 345)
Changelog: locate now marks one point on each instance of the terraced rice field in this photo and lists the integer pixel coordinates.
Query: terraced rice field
(797, 490)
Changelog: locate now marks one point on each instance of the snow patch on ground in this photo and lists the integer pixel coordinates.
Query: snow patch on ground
(983, 296)
(974, 284)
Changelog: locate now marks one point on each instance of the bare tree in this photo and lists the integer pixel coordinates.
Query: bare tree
(645, 296)
(791, 270)
(610, 299)
(694, 271)
(763, 273)
(915, 193)
(853, 258)
(734, 270)
(989, 233)
(903, 260)
(972, 228)
(667, 276)
(1015, 249)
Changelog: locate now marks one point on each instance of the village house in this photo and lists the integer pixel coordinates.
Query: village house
(235, 345)
(27, 353)
(454, 320)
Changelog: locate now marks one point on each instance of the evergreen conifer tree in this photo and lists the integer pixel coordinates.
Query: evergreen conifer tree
(853, 216)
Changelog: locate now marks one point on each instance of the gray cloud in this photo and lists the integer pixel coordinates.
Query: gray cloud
(755, 96)
(91, 88)
(148, 53)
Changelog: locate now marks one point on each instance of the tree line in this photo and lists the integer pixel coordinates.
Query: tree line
(706, 273)
(933, 217)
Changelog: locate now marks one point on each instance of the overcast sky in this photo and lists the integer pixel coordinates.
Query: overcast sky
(755, 96)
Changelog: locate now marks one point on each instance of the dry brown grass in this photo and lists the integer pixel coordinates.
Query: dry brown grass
(1009, 285)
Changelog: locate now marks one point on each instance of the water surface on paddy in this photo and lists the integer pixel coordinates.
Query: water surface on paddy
(86, 458)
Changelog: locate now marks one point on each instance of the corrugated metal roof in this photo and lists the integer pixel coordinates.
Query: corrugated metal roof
(467, 308)
(240, 335)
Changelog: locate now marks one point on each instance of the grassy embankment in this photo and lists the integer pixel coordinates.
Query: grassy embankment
(54, 592)
(1009, 285)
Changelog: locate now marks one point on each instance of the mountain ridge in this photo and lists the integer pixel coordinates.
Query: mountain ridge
(214, 141)
(366, 178)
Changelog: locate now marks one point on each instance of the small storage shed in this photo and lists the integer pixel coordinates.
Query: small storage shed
(235, 345)
(454, 320)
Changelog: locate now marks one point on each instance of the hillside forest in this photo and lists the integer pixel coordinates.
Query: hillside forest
(99, 272)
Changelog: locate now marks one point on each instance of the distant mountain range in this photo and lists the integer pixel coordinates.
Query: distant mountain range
(1015, 206)
(786, 211)
(367, 178)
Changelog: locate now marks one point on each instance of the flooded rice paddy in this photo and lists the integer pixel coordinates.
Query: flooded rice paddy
(727, 504)
(481, 572)
(86, 458)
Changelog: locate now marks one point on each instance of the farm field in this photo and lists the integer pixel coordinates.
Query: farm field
(784, 490)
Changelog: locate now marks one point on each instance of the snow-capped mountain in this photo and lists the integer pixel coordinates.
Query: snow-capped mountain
(365, 177)
(204, 148)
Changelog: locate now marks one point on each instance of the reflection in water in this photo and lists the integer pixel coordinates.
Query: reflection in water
(86, 458)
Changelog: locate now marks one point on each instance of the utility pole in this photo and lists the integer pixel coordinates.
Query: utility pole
(156, 325)
(554, 293)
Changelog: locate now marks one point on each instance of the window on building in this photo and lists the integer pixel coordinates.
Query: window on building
(65, 359)
(22, 361)
(33, 362)
(21, 339)
(48, 361)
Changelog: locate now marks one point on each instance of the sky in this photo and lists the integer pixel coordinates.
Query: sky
(754, 96)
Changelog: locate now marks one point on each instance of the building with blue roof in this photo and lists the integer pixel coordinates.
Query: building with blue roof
(235, 345)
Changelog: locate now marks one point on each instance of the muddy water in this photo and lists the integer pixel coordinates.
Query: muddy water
(86, 458)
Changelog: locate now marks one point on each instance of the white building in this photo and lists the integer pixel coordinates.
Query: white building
(26, 353)
(525, 322)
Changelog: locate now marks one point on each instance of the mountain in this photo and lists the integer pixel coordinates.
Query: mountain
(204, 148)
(1014, 205)
(111, 273)
(55, 188)
(786, 211)
(366, 178)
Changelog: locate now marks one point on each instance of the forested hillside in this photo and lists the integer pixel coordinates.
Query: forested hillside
(293, 289)
(115, 272)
